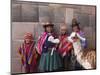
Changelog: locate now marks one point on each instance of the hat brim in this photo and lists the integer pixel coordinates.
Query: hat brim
(46, 25)
(76, 24)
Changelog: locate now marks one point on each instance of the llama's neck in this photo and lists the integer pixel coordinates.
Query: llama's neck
(78, 52)
(77, 47)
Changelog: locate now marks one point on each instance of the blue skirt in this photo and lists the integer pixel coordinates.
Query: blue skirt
(50, 62)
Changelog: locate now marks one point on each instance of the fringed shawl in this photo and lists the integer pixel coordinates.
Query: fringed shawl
(41, 42)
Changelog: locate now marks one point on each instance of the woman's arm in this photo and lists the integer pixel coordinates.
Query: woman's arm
(51, 39)
(80, 37)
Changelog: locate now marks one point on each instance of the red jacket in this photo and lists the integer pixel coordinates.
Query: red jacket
(64, 46)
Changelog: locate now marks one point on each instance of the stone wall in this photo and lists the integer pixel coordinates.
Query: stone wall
(28, 17)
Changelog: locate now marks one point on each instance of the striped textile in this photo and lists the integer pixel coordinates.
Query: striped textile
(41, 42)
(64, 45)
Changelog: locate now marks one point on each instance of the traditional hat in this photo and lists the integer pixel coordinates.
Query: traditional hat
(47, 24)
(28, 36)
(74, 22)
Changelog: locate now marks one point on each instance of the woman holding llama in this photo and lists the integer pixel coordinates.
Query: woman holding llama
(80, 34)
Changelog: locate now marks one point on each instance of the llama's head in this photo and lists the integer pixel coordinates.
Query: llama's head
(76, 43)
(74, 36)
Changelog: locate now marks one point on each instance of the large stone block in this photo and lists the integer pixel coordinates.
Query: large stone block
(69, 16)
(16, 12)
(20, 28)
(90, 36)
(59, 14)
(83, 19)
(38, 30)
(29, 12)
(14, 48)
(16, 65)
(88, 9)
(92, 21)
(25, 12)
(45, 14)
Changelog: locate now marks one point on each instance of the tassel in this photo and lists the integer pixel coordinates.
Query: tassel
(52, 51)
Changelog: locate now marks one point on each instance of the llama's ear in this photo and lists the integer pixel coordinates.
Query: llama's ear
(73, 34)
(70, 39)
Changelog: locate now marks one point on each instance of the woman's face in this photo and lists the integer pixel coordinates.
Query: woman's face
(75, 29)
(63, 31)
(49, 29)
(27, 40)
